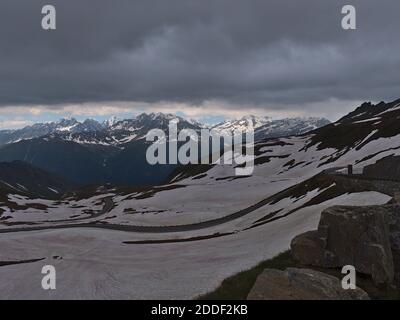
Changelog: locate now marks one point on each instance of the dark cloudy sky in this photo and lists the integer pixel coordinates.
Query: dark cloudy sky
(203, 58)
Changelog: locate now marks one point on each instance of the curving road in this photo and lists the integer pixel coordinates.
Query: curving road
(109, 205)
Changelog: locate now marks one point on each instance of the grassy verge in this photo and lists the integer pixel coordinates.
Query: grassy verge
(238, 286)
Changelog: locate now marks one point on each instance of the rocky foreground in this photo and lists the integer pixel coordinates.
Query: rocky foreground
(301, 284)
(367, 238)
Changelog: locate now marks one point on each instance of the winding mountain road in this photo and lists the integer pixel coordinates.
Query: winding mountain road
(109, 205)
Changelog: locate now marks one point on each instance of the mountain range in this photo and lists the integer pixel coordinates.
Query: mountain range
(117, 132)
(204, 224)
(38, 165)
(91, 152)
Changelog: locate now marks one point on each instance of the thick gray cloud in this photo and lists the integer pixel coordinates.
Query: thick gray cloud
(253, 52)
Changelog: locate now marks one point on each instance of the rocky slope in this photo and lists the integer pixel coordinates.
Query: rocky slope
(19, 177)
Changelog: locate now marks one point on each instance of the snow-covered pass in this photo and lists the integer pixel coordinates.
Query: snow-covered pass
(237, 147)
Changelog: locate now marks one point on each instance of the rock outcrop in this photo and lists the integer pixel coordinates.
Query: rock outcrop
(301, 284)
(394, 229)
(366, 237)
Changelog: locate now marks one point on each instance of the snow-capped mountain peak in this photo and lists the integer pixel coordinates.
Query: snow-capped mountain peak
(120, 131)
(266, 127)
(160, 115)
(111, 121)
(66, 124)
(243, 124)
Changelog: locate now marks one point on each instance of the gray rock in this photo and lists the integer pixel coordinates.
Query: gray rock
(358, 236)
(394, 227)
(301, 284)
(310, 249)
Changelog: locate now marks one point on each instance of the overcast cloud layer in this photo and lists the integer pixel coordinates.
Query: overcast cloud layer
(271, 55)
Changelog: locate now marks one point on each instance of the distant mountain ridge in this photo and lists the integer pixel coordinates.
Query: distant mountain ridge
(114, 151)
(265, 127)
(116, 154)
(120, 131)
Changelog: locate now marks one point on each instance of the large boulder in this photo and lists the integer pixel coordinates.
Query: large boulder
(301, 284)
(357, 236)
(394, 228)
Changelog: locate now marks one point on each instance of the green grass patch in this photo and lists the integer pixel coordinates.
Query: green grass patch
(238, 286)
